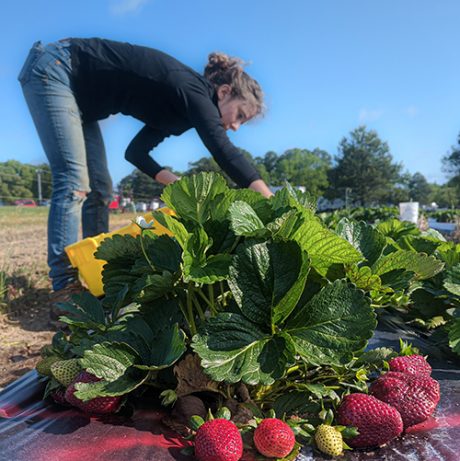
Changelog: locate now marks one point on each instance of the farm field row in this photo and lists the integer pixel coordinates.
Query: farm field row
(25, 288)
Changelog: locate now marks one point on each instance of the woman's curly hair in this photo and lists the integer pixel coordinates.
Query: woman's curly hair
(226, 70)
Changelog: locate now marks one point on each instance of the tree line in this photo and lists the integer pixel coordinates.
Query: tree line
(363, 172)
(20, 180)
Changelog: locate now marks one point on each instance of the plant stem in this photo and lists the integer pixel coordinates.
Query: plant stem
(222, 292)
(229, 391)
(198, 308)
(144, 252)
(321, 378)
(190, 309)
(184, 313)
(212, 306)
(205, 299)
(235, 244)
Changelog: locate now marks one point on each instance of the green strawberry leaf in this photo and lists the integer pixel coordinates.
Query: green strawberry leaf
(161, 315)
(178, 230)
(395, 229)
(295, 402)
(85, 311)
(434, 234)
(214, 269)
(449, 252)
(324, 247)
(156, 324)
(267, 279)
(367, 240)
(375, 356)
(288, 198)
(124, 384)
(234, 349)
(419, 244)
(452, 280)
(257, 201)
(167, 348)
(195, 198)
(120, 248)
(244, 221)
(422, 265)
(51, 386)
(363, 277)
(109, 360)
(286, 225)
(122, 253)
(337, 322)
(397, 279)
(332, 325)
(163, 251)
(454, 336)
(221, 235)
(199, 267)
(152, 287)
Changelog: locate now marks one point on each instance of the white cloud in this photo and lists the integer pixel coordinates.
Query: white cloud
(369, 115)
(121, 7)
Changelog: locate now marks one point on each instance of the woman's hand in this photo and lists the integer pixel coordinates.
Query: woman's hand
(166, 177)
(259, 186)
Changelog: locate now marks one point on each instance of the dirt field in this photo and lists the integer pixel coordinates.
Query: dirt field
(25, 288)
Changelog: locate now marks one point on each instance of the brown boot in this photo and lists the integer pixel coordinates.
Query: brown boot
(63, 295)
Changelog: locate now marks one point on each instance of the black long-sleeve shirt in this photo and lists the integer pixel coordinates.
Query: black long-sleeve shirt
(169, 97)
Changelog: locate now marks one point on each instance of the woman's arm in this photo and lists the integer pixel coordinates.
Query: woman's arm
(138, 150)
(205, 117)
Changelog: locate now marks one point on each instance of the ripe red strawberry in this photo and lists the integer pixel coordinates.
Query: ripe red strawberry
(98, 405)
(377, 422)
(412, 364)
(414, 396)
(218, 440)
(274, 438)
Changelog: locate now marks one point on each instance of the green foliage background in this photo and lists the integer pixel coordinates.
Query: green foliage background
(363, 170)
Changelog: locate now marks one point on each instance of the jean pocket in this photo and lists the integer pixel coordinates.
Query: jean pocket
(34, 55)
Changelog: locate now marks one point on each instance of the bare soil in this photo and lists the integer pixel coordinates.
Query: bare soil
(25, 288)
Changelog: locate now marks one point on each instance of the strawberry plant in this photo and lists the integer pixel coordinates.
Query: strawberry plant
(256, 299)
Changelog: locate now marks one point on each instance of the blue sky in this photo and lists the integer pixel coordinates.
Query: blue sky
(326, 67)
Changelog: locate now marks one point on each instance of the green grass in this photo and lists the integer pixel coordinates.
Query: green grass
(13, 216)
(23, 211)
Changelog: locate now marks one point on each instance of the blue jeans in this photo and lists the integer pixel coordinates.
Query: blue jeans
(82, 186)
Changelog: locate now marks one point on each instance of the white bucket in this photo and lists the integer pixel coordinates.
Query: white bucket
(408, 211)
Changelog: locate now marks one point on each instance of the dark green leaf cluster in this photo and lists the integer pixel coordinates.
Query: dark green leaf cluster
(414, 274)
(261, 290)
(251, 285)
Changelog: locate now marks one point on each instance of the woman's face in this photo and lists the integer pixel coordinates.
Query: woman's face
(234, 111)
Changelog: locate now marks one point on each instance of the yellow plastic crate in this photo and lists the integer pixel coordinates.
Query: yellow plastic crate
(81, 254)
